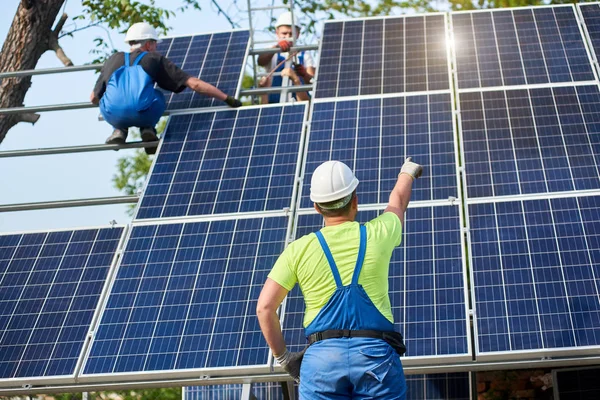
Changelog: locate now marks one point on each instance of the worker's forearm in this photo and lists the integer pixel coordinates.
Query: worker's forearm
(264, 59)
(400, 196)
(207, 89)
(271, 329)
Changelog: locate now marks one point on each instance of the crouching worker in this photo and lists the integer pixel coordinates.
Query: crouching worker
(343, 272)
(125, 88)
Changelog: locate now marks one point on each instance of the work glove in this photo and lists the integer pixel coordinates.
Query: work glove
(284, 45)
(291, 361)
(301, 71)
(233, 102)
(411, 168)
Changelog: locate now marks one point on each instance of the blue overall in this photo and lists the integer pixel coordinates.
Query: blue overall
(278, 79)
(130, 98)
(350, 368)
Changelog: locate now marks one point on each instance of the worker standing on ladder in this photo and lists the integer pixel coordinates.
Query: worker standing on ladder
(298, 67)
(125, 87)
(343, 273)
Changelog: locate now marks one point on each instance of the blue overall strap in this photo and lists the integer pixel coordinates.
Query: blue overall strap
(138, 58)
(334, 270)
(361, 254)
(126, 55)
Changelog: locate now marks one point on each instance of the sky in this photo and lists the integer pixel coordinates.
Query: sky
(80, 175)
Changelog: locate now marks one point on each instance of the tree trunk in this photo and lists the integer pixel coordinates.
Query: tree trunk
(27, 39)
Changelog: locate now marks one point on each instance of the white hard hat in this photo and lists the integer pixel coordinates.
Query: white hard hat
(286, 19)
(332, 180)
(141, 31)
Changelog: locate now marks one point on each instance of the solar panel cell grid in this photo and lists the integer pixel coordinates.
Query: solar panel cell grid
(522, 46)
(535, 273)
(426, 284)
(184, 297)
(50, 284)
(531, 141)
(377, 56)
(225, 162)
(215, 58)
(373, 137)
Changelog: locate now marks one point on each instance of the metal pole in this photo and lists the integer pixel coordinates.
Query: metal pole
(247, 392)
(259, 91)
(273, 50)
(54, 107)
(75, 149)
(98, 201)
(252, 43)
(45, 71)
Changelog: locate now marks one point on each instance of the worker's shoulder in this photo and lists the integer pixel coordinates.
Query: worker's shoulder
(300, 245)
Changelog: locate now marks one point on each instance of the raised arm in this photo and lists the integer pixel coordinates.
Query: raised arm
(400, 196)
(201, 87)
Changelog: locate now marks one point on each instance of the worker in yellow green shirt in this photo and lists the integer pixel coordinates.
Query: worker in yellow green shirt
(343, 273)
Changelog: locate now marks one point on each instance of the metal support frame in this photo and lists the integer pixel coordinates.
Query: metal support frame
(247, 392)
(52, 107)
(75, 149)
(46, 71)
(96, 201)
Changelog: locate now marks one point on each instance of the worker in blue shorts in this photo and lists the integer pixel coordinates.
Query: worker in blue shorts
(125, 88)
(343, 273)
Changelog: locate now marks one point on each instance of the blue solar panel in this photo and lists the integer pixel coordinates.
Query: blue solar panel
(455, 386)
(427, 284)
(226, 162)
(591, 17)
(536, 274)
(373, 137)
(184, 297)
(531, 141)
(354, 60)
(261, 390)
(520, 46)
(50, 283)
(576, 383)
(217, 58)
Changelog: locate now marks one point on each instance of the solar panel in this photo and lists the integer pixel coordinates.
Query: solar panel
(50, 283)
(454, 386)
(383, 55)
(374, 136)
(427, 285)
(536, 276)
(217, 58)
(591, 17)
(531, 141)
(576, 383)
(226, 162)
(261, 390)
(184, 298)
(519, 46)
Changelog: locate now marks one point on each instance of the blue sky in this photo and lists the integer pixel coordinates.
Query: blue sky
(81, 175)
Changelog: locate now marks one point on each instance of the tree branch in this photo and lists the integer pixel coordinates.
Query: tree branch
(221, 11)
(29, 117)
(53, 42)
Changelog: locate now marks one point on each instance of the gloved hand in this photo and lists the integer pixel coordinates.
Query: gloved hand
(284, 45)
(301, 71)
(291, 363)
(411, 168)
(233, 102)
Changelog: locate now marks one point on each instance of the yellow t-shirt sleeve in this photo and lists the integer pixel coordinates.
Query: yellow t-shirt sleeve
(387, 228)
(283, 271)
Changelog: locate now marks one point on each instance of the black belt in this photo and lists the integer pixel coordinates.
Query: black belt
(394, 339)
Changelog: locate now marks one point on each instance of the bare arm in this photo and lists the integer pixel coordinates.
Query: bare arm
(400, 196)
(265, 59)
(289, 72)
(201, 87)
(269, 300)
(94, 99)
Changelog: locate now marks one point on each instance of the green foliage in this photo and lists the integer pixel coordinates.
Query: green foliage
(143, 394)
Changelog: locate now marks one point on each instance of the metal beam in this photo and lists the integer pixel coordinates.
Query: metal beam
(46, 71)
(273, 50)
(75, 149)
(53, 107)
(43, 205)
(276, 89)
(30, 387)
